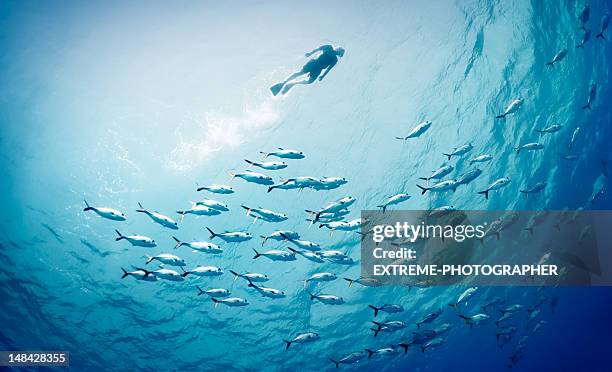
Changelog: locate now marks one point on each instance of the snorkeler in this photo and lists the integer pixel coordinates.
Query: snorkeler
(313, 68)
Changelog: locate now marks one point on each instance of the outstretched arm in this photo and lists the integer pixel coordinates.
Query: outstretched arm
(319, 49)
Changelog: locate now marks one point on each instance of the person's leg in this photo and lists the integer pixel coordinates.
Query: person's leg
(311, 78)
(276, 88)
(293, 76)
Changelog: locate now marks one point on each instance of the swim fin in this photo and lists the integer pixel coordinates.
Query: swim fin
(275, 89)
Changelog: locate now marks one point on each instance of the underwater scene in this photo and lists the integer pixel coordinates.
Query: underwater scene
(183, 182)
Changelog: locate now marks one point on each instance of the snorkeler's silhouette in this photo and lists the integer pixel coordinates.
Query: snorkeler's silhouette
(327, 59)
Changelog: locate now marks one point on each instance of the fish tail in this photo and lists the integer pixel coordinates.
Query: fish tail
(312, 296)
(235, 273)
(404, 346)
(119, 237)
(249, 162)
(212, 234)
(551, 64)
(600, 36)
(501, 116)
(587, 106)
(378, 324)
(423, 189)
(201, 188)
(201, 291)
(87, 207)
(422, 349)
(288, 344)
(350, 281)
(486, 193)
(142, 210)
(257, 254)
(264, 239)
(125, 273)
(184, 274)
(178, 242)
(465, 318)
(370, 352)
(336, 363)
(449, 155)
(147, 272)
(265, 154)
(530, 229)
(149, 259)
(376, 309)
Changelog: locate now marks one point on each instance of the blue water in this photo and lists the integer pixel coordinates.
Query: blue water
(127, 102)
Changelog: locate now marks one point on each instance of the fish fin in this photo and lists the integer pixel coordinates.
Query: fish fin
(312, 296)
(350, 281)
(212, 234)
(87, 207)
(288, 344)
(423, 189)
(248, 213)
(257, 254)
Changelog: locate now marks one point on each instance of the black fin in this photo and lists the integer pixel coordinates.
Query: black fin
(288, 344)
